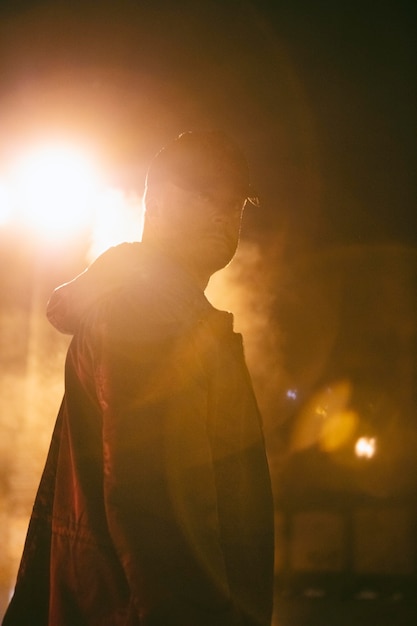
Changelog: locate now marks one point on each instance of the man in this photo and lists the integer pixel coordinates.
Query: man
(155, 505)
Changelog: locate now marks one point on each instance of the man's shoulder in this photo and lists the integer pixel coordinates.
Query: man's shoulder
(149, 306)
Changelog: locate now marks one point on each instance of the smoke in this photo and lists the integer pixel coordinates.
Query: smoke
(31, 387)
(250, 287)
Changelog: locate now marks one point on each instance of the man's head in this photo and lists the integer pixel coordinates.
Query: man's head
(196, 189)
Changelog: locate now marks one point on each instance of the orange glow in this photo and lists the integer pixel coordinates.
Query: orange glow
(5, 203)
(56, 191)
(337, 429)
(326, 420)
(118, 217)
(54, 188)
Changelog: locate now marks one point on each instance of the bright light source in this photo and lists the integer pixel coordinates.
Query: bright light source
(365, 447)
(55, 188)
(55, 191)
(5, 204)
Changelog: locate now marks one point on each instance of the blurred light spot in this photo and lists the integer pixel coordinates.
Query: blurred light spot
(365, 447)
(55, 188)
(321, 410)
(292, 394)
(326, 419)
(367, 594)
(337, 429)
(314, 592)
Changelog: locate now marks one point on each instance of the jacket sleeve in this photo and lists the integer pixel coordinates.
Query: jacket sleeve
(159, 485)
(71, 301)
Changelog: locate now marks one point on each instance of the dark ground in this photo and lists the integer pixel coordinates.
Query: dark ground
(364, 605)
(306, 612)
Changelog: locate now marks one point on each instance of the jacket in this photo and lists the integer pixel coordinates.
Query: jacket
(155, 505)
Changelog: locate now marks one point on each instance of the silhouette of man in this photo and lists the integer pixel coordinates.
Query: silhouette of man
(155, 506)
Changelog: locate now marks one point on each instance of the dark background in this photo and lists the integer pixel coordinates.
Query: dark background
(321, 95)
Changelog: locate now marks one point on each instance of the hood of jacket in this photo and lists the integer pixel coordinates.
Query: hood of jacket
(124, 268)
(69, 302)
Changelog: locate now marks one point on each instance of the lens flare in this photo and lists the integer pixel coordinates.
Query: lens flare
(326, 420)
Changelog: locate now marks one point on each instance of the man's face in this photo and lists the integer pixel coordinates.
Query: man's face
(201, 228)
